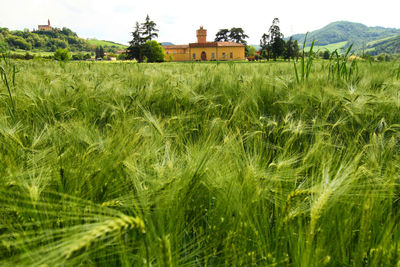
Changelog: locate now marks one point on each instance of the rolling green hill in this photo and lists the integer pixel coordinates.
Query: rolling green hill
(348, 33)
(106, 44)
(387, 45)
(49, 41)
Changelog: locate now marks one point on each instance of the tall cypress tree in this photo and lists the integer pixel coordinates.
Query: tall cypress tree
(134, 50)
(149, 29)
(276, 39)
(97, 52)
(101, 52)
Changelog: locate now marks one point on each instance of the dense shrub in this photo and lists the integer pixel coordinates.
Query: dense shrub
(62, 55)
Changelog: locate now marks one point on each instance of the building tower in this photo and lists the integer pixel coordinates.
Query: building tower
(48, 22)
(201, 35)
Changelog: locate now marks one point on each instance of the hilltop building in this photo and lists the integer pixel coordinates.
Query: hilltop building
(45, 27)
(204, 51)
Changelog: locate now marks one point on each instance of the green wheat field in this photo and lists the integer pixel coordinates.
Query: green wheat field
(199, 164)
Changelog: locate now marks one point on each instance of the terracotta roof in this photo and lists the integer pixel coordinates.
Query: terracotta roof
(215, 44)
(229, 44)
(175, 46)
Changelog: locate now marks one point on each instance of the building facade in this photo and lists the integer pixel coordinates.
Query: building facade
(45, 27)
(204, 51)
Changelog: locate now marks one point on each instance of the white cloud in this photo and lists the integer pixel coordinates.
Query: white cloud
(178, 20)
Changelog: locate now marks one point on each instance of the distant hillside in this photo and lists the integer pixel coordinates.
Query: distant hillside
(387, 45)
(49, 41)
(167, 43)
(106, 44)
(348, 32)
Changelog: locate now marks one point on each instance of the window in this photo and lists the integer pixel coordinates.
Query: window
(181, 52)
(231, 55)
(194, 55)
(167, 52)
(223, 55)
(174, 52)
(212, 55)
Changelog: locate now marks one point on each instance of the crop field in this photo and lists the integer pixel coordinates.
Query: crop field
(182, 164)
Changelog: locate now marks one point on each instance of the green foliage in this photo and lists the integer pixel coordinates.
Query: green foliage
(149, 30)
(18, 42)
(8, 70)
(186, 164)
(305, 66)
(81, 56)
(326, 54)
(122, 56)
(250, 51)
(141, 47)
(99, 52)
(62, 55)
(134, 50)
(236, 35)
(222, 36)
(273, 45)
(338, 67)
(153, 51)
(51, 40)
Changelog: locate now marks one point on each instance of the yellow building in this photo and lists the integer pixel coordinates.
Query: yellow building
(204, 51)
(45, 27)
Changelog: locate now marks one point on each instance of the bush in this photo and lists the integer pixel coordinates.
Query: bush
(62, 55)
(153, 52)
(122, 56)
(4, 47)
(18, 42)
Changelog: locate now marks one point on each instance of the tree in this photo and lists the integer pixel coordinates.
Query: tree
(326, 54)
(278, 48)
(97, 52)
(222, 35)
(237, 35)
(18, 42)
(276, 39)
(62, 55)
(153, 51)
(288, 53)
(134, 50)
(149, 29)
(101, 52)
(251, 51)
(142, 46)
(265, 43)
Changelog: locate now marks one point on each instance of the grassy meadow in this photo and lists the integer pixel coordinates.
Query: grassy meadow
(182, 164)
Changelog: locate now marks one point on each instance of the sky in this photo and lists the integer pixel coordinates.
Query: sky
(177, 20)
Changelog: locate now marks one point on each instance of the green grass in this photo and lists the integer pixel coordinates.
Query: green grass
(329, 47)
(378, 41)
(198, 165)
(103, 43)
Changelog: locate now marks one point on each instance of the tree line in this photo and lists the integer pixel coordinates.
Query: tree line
(272, 43)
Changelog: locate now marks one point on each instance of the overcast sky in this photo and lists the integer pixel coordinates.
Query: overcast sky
(177, 20)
